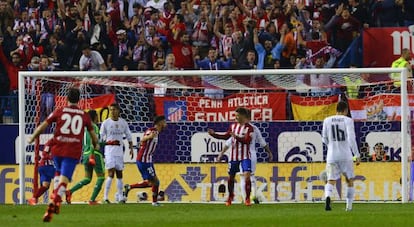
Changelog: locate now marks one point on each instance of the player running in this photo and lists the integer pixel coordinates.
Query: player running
(92, 160)
(144, 160)
(241, 138)
(46, 171)
(339, 136)
(112, 132)
(67, 147)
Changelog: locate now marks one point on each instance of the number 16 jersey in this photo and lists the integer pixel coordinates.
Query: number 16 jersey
(339, 136)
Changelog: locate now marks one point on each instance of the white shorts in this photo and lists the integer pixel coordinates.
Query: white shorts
(116, 162)
(334, 170)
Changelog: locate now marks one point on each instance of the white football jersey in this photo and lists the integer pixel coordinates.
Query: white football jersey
(115, 131)
(339, 136)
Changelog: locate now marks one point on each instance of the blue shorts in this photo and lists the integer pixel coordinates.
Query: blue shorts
(65, 166)
(147, 170)
(46, 173)
(234, 166)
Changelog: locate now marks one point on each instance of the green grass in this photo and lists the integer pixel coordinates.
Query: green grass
(299, 214)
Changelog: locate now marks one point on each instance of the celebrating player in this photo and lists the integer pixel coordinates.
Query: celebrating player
(46, 171)
(144, 160)
(67, 147)
(241, 134)
(92, 160)
(112, 132)
(339, 136)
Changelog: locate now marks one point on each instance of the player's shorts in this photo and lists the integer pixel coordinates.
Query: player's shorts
(99, 166)
(65, 166)
(234, 166)
(47, 173)
(253, 159)
(147, 170)
(114, 162)
(334, 170)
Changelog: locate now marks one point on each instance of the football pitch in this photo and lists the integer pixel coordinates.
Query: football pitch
(179, 214)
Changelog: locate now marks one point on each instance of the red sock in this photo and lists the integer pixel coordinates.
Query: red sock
(154, 193)
(40, 192)
(248, 188)
(143, 184)
(230, 185)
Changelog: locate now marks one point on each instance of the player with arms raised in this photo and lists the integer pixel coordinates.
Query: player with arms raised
(241, 137)
(67, 147)
(339, 136)
(112, 132)
(144, 160)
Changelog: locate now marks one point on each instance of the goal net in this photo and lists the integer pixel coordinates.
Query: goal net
(288, 106)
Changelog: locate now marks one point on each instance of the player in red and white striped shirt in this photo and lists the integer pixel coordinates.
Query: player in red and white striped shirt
(241, 137)
(46, 171)
(144, 160)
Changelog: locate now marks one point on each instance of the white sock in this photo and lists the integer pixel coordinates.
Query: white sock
(56, 182)
(243, 187)
(120, 188)
(107, 187)
(253, 186)
(328, 190)
(350, 197)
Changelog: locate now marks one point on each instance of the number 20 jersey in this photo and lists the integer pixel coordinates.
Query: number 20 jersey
(339, 136)
(70, 126)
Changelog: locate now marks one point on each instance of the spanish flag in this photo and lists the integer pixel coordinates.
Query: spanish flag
(313, 108)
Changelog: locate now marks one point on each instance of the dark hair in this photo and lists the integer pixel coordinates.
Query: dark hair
(73, 95)
(115, 105)
(243, 111)
(379, 144)
(341, 106)
(158, 119)
(93, 115)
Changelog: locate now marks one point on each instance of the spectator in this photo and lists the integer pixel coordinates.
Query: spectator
(359, 12)
(289, 46)
(387, 13)
(91, 60)
(100, 40)
(212, 63)
(346, 26)
(122, 55)
(157, 54)
(202, 34)
(56, 50)
(408, 13)
(182, 49)
(12, 69)
(140, 51)
(379, 154)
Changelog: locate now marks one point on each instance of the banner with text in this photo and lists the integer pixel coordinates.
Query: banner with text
(390, 40)
(264, 107)
(200, 182)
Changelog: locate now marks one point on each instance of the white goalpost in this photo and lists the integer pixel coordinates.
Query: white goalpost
(189, 93)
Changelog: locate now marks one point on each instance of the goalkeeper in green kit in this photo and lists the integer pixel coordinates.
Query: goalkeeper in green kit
(92, 160)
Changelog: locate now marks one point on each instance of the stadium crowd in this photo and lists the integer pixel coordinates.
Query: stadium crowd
(182, 34)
